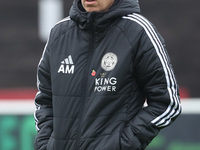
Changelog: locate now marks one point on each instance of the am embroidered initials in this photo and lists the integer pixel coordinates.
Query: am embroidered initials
(67, 66)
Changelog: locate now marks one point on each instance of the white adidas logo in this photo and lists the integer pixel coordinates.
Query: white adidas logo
(68, 61)
(67, 66)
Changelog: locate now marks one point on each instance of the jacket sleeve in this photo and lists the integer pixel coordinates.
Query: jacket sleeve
(43, 101)
(157, 82)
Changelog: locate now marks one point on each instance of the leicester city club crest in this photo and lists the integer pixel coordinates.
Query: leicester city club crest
(109, 61)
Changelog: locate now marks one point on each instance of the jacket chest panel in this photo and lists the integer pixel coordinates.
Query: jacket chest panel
(105, 69)
(68, 63)
(111, 70)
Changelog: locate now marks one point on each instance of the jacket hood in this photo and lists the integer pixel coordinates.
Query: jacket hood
(118, 9)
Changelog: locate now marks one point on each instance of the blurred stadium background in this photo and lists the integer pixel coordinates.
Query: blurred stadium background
(24, 26)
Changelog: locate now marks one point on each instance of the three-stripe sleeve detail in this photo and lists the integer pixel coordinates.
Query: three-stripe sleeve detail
(174, 107)
(36, 119)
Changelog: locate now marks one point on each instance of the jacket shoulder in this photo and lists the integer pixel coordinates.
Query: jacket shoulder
(136, 19)
(129, 23)
(137, 26)
(61, 27)
(138, 22)
(130, 28)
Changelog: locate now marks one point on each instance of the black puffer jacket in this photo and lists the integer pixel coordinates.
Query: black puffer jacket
(95, 74)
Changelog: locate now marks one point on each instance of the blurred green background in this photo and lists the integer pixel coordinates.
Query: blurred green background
(18, 133)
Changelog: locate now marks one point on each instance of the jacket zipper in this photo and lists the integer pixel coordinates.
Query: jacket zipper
(85, 82)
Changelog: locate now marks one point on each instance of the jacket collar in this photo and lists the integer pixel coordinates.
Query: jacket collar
(99, 21)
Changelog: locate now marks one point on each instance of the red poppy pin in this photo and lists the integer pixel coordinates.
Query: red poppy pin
(93, 73)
